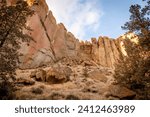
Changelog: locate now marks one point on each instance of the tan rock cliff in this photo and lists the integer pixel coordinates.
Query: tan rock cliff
(104, 51)
(53, 42)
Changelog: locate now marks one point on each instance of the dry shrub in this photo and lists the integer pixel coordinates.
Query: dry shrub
(72, 97)
(6, 90)
(37, 90)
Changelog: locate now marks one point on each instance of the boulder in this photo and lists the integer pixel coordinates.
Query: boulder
(121, 92)
(54, 77)
(24, 81)
(58, 75)
(41, 75)
(33, 74)
(97, 75)
(87, 63)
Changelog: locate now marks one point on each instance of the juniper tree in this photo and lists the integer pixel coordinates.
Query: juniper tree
(134, 70)
(12, 25)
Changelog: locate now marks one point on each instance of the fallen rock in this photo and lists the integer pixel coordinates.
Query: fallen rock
(87, 63)
(54, 77)
(33, 74)
(121, 92)
(58, 75)
(25, 81)
(67, 71)
(41, 75)
(97, 75)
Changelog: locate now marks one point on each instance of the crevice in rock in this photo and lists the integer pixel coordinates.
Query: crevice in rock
(112, 50)
(105, 52)
(51, 46)
(119, 51)
(109, 52)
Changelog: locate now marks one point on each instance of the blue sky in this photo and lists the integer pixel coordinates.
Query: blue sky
(92, 18)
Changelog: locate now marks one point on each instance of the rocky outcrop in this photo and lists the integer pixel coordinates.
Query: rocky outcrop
(52, 42)
(63, 82)
(121, 92)
(39, 51)
(56, 75)
(53, 75)
(104, 51)
(24, 81)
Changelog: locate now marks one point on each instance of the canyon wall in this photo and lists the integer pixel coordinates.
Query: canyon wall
(104, 51)
(53, 42)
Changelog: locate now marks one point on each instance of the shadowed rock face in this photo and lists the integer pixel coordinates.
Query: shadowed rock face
(53, 42)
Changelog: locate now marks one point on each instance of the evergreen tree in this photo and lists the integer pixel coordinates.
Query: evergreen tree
(133, 71)
(12, 24)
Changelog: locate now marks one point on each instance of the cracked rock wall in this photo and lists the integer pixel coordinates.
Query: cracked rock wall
(53, 42)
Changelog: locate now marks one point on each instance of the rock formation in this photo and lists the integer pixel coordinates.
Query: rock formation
(53, 42)
(103, 51)
(67, 68)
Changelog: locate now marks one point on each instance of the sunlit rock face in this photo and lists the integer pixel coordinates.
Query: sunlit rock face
(38, 52)
(52, 42)
(30, 2)
(131, 36)
(104, 51)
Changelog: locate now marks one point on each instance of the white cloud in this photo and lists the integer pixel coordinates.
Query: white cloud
(79, 16)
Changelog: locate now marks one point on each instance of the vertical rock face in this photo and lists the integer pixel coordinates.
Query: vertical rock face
(53, 42)
(103, 51)
(38, 52)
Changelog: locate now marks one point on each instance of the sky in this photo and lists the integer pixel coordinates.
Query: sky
(92, 18)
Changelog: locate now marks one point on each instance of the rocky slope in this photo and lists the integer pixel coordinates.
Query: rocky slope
(77, 81)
